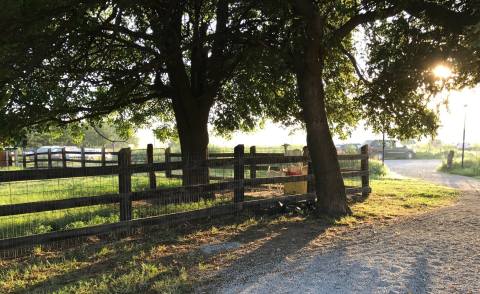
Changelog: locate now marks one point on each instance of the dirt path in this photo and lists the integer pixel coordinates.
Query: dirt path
(437, 252)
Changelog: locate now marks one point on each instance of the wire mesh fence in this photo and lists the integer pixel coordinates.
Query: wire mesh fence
(149, 186)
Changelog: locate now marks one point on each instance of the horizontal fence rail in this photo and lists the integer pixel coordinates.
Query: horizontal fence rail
(245, 171)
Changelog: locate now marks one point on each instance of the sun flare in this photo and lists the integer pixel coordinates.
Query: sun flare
(442, 71)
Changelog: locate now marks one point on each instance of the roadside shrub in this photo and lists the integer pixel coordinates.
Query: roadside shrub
(377, 169)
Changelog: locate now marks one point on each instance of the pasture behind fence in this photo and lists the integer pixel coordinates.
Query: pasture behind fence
(137, 190)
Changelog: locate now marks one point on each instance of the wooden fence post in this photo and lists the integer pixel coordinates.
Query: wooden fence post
(253, 166)
(168, 170)
(364, 167)
(17, 163)
(24, 159)
(35, 159)
(64, 157)
(49, 158)
(239, 173)
(104, 161)
(82, 157)
(125, 184)
(152, 177)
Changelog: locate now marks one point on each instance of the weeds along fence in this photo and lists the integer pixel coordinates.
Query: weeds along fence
(41, 206)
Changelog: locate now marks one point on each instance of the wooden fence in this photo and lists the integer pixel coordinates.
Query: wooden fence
(64, 156)
(239, 160)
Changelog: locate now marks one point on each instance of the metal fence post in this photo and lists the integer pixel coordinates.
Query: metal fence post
(125, 184)
(64, 157)
(239, 173)
(151, 174)
(364, 168)
(82, 157)
(253, 166)
(168, 170)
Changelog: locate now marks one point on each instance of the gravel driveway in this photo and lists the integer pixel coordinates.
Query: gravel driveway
(437, 252)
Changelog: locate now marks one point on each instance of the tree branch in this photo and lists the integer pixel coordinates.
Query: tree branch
(440, 15)
(355, 65)
(360, 19)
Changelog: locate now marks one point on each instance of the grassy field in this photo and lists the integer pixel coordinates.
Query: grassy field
(441, 152)
(471, 165)
(169, 260)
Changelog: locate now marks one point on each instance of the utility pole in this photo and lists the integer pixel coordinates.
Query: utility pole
(383, 147)
(463, 143)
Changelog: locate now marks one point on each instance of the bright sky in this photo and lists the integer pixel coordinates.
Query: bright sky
(450, 131)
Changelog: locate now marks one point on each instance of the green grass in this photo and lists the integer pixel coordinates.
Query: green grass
(167, 259)
(399, 197)
(43, 190)
(471, 165)
(56, 189)
(33, 191)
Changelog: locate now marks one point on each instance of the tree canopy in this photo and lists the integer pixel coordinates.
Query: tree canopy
(232, 63)
(67, 61)
(82, 135)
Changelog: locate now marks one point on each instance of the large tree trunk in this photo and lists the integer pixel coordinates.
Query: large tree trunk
(330, 189)
(192, 126)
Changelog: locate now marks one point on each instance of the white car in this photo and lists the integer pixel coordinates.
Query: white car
(54, 149)
(467, 146)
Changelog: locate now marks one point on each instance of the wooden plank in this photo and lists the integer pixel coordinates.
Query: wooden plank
(354, 173)
(125, 184)
(35, 160)
(364, 167)
(41, 206)
(151, 175)
(352, 156)
(239, 174)
(253, 167)
(49, 158)
(64, 158)
(358, 190)
(82, 156)
(45, 174)
(104, 157)
(24, 159)
(168, 159)
(99, 161)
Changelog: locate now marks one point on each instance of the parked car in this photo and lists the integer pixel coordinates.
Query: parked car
(393, 150)
(467, 146)
(42, 151)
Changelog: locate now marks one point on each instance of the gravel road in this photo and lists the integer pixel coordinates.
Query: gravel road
(437, 252)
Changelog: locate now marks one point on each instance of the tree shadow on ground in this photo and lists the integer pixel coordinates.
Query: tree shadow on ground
(271, 240)
(265, 246)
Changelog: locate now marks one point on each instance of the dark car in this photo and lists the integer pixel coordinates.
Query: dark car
(393, 150)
